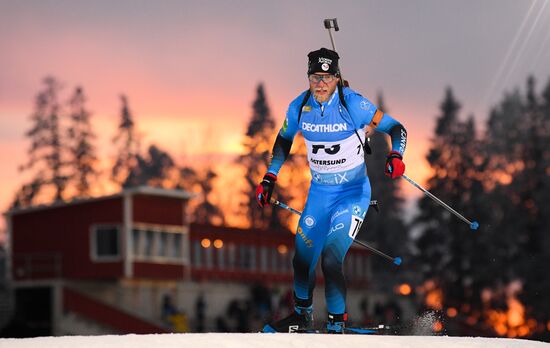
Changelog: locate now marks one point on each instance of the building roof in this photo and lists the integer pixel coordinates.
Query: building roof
(144, 190)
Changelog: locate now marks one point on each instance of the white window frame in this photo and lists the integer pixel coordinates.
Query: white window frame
(166, 254)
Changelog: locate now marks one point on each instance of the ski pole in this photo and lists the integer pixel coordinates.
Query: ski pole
(395, 260)
(474, 225)
(332, 23)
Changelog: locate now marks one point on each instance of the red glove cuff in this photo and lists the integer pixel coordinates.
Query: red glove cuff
(270, 176)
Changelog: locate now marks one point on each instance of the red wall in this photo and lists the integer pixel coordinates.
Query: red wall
(158, 210)
(65, 230)
(237, 235)
(159, 271)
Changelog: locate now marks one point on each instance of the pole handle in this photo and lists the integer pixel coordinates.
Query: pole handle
(331, 23)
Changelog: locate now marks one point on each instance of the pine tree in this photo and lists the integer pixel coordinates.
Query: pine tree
(154, 170)
(207, 212)
(535, 274)
(518, 139)
(448, 254)
(188, 179)
(47, 150)
(128, 144)
(258, 144)
(82, 151)
(434, 260)
(27, 193)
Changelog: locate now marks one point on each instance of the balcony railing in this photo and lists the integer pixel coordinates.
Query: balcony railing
(28, 266)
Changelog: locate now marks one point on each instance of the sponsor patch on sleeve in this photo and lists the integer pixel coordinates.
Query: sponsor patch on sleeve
(285, 125)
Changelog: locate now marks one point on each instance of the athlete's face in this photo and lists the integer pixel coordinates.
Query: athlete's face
(322, 85)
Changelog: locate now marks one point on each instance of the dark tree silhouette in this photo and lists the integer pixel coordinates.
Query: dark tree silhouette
(448, 253)
(258, 144)
(518, 140)
(81, 150)
(46, 151)
(206, 212)
(153, 170)
(127, 143)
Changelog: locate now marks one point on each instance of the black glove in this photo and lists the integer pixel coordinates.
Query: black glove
(265, 189)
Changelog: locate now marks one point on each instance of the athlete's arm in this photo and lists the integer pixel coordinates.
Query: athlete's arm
(281, 150)
(397, 132)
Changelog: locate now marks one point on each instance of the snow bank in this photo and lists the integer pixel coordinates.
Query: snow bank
(224, 340)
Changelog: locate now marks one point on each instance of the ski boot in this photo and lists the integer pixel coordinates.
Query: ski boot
(301, 319)
(336, 323)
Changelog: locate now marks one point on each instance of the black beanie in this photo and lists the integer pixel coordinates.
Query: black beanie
(323, 60)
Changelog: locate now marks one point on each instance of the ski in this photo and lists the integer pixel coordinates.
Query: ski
(374, 330)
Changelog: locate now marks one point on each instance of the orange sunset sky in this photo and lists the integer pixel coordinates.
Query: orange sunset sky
(190, 68)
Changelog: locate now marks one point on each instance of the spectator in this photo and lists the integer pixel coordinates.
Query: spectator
(172, 317)
(200, 310)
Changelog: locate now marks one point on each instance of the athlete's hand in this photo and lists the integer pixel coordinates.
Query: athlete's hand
(394, 165)
(265, 189)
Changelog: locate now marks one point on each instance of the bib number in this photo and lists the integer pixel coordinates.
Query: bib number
(356, 223)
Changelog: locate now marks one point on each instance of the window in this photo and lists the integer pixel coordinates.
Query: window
(247, 257)
(208, 256)
(252, 253)
(274, 257)
(231, 251)
(175, 246)
(220, 258)
(159, 244)
(162, 243)
(106, 242)
(137, 243)
(197, 250)
(149, 239)
(263, 259)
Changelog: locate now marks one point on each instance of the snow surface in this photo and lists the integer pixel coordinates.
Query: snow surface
(237, 340)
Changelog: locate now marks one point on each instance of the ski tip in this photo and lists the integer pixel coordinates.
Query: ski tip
(360, 331)
(268, 329)
(397, 261)
(474, 225)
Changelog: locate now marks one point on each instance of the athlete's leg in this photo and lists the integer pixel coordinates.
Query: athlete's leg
(345, 222)
(309, 240)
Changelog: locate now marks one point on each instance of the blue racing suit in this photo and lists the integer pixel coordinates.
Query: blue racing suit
(339, 194)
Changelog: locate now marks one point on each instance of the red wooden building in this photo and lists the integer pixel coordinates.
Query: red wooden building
(105, 264)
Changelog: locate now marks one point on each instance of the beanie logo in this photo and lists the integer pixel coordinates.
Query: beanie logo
(325, 67)
(325, 60)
